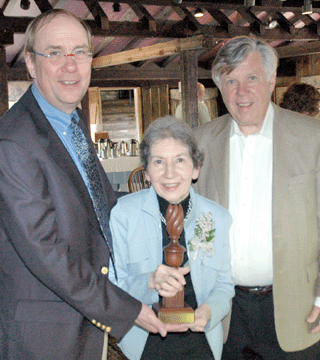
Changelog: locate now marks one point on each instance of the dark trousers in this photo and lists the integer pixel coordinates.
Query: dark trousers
(252, 334)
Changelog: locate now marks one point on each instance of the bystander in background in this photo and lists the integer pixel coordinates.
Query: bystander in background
(302, 98)
(203, 112)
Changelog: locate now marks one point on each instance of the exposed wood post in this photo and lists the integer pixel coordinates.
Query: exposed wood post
(4, 97)
(189, 87)
(147, 118)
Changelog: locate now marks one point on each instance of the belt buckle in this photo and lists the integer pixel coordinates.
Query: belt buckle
(256, 290)
(261, 290)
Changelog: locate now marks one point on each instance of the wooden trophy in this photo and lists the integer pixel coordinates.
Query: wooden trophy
(173, 310)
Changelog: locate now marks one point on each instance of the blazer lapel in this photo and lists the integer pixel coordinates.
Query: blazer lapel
(57, 151)
(219, 150)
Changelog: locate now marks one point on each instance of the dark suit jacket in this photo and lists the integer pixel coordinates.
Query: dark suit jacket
(295, 213)
(52, 289)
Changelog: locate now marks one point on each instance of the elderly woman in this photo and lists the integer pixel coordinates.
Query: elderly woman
(172, 160)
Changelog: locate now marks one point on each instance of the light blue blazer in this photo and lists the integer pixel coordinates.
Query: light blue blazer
(137, 240)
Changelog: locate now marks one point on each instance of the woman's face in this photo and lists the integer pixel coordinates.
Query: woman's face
(170, 170)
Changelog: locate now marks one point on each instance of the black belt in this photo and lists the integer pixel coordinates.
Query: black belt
(256, 290)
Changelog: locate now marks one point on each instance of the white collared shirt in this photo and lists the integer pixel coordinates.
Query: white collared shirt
(250, 204)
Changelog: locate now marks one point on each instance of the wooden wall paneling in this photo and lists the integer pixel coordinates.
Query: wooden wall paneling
(210, 100)
(314, 64)
(146, 107)
(189, 88)
(155, 102)
(286, 80)
(164, 99)
(138, 111)
(95, 110)
(308, 65)
(4, 97)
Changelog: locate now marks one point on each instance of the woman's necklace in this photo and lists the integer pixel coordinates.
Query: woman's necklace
(185, 218)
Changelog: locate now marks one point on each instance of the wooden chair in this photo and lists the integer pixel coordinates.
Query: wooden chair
(137, 180)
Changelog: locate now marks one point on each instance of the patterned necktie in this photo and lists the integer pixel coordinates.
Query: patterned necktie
(88, 162)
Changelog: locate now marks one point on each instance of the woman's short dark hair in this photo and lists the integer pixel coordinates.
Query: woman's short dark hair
(302, 98)
(170, 127)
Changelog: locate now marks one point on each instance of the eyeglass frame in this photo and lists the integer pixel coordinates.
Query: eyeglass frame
(90, 54)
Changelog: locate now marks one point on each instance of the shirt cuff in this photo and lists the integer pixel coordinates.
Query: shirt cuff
(317, 301)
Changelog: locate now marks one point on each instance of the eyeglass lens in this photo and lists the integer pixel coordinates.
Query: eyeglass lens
(79, 57)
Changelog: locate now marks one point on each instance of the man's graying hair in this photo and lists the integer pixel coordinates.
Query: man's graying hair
(236, 50)
(165, 128)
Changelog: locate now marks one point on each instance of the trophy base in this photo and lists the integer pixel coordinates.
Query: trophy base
(183, 315)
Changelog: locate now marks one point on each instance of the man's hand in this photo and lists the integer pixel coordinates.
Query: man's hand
(313, 317)
(147, 319)
(168, 280)
(201, 317)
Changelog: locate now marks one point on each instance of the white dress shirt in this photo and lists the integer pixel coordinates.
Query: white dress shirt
(250, 204)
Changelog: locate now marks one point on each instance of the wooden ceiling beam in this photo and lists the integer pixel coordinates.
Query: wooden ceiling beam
(203, 3)
(144, 17)
(149, 72)
(6, 36)
(256, 25)
(98, 13)
(191, 17)
(150, 52)
(43, 5)
(16, 58)
(166, 61)
(167, 30)
(299, 50)
(221, 18)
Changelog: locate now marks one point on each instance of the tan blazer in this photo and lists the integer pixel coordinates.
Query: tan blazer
(296, 201)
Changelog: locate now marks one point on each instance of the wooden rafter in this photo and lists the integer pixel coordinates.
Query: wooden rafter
(98, 13)
(296, 34)
(150, 52)
(144, 16)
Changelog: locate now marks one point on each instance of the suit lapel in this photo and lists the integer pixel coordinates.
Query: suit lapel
(57, 151)
(60, 155)
(219, 150)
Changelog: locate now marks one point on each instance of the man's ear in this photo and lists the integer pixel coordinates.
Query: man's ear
(272, 82)
(31, 66)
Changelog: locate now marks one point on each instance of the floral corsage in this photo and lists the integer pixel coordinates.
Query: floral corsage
(203, 235)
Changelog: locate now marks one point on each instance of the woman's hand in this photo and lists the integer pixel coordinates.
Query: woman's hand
(201, 317)
(168, 280)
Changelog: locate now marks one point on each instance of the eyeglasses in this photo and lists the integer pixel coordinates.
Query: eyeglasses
(58, 57)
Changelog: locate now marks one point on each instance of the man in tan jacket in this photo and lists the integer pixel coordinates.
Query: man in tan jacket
(263, 164)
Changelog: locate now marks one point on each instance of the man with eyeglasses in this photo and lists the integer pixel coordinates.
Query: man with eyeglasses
(56, 302)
